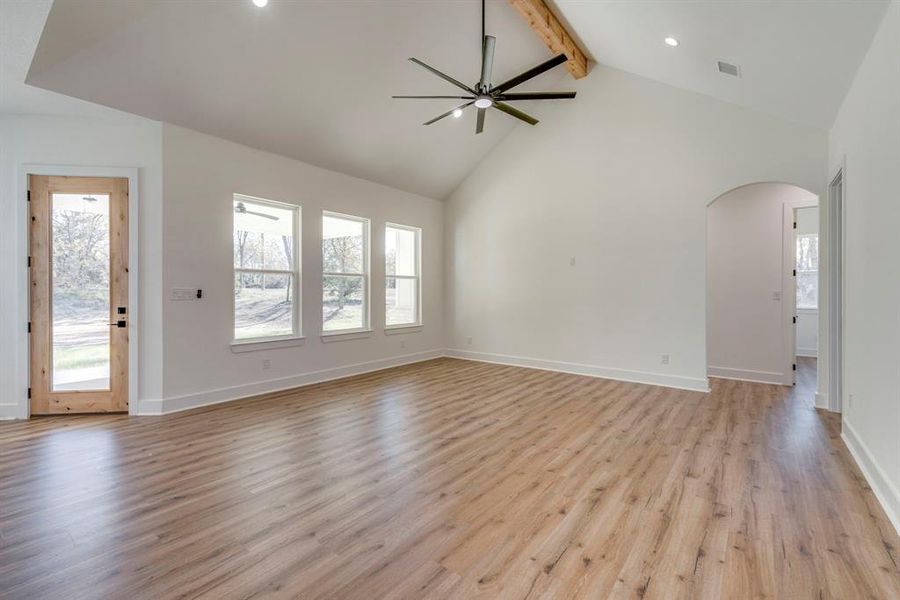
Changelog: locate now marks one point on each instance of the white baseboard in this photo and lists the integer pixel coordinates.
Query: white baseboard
(672, 381)
(808, 352)
(887, 494)
(9, 412)
(217, 396)
(746, 375)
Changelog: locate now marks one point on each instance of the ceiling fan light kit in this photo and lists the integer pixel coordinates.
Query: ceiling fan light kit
(483, 95)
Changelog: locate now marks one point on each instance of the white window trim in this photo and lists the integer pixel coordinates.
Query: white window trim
(268, 343)
(367, 304)
(417, 277)
(277, 341)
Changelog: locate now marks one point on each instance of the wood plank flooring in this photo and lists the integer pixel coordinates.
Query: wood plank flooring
(447, 479)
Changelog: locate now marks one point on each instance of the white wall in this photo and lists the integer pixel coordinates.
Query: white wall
(119, 141)
(185, 356)
(201, 174)
(746, 327)
(807, 318)
(619, 179)
(866, 138)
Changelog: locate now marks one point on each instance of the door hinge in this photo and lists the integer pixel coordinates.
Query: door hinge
(795, 224)
(795, 319)
(795, 272)
(29, 262)
(794, 367)
(29, 326)
(29, 393)
(28, 197)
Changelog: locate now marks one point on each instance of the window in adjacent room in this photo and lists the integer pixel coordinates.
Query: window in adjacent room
(402, 293)
(266, 272)
(808, 271)
(345, 273)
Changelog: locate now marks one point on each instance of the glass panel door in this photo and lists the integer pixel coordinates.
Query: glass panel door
(79, 303)
(78, 240)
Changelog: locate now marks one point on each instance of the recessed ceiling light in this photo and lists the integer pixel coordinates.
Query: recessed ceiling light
(457, 113)
(484, 102)
(671, 41)
(260, 3)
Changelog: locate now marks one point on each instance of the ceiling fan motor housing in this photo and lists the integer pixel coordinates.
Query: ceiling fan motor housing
(484, 96)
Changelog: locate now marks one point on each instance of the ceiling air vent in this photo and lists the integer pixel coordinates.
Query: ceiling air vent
(729, 69)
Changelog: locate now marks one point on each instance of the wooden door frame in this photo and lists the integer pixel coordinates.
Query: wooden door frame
(23, 345)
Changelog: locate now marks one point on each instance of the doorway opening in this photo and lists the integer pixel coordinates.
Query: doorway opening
(806, 293)
(752, 292)
(79, 294)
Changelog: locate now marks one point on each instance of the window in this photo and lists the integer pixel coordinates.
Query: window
(808, 271)
(345, 273)
(401, 290)
(266, 275)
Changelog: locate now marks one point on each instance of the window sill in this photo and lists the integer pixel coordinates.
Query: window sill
(400, 329)
(251, 345)
(340, 336)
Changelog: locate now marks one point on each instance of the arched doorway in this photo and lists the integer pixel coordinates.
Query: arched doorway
(760, 300)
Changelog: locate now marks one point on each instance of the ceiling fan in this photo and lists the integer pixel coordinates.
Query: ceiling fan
(241, 209)
(484, 95)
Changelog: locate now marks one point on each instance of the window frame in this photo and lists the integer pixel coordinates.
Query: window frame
(295, 274)
(367, 268)
(418, 276)
(806, 271)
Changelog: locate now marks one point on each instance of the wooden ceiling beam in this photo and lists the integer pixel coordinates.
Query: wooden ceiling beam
(542, 21)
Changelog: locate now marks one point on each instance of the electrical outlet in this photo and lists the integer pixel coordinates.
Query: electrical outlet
(469, 341)
(665, 359)
(266, 364)
(402, 343)
(572, 262)
(776, 296)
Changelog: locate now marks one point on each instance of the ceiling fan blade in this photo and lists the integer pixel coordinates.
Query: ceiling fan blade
(259, 214)
(515, 113)
(487, 60)
(531, 73)
(443, 76)
(448, 113)
(479, 124)
(241, 209)
(456, 97)
(536, 96)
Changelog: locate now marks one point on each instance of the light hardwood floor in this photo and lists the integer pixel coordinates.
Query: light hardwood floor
(447, 479)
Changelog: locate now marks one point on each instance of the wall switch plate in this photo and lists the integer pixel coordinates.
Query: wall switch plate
(572, 262)
(469, 341)
(266, 364)
(184, 294)
(665, 359)
(776, 296)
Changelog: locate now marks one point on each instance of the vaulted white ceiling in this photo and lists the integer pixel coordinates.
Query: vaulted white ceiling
(21, 23)
(797, 57)
(312, 80)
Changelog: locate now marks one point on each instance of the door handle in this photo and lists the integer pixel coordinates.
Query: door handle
(118, 324)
